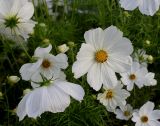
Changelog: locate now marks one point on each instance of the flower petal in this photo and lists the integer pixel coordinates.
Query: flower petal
(119, 63)
(26, 12)
(74, 90)
(5, 6)
(155, 114)
(129, 4)
(40, 52)
(108, 75)
(22, 108)
(61, 60)
(95, 37)
(148, 7)
(111, 37)
(80, 68)
(59, 99)
(94, 76)
(34, 103)
(147, 108)
(87, 52)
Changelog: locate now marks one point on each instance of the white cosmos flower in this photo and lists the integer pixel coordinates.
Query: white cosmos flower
(113, 97)
(54, 98)
(147, 7)
(104, 53)
(146, 116)
(15, 18)
(125, 113)
(47, 65)
(138, 75)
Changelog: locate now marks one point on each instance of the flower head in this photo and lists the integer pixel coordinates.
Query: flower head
(47, 65)
(52, 98)
(15, 19)
(146, 116)
(138, 75)
(113, 97)
(124, 113)
(102, 55)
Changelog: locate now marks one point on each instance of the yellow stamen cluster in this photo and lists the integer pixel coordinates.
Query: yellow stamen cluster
(132, 77)
(109, 94)
(101, 56)
(144, 119)
(46, 64)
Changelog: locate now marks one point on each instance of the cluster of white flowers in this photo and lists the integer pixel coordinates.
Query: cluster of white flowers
(51, 92)
(104, 54)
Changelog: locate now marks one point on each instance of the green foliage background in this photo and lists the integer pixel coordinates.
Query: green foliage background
(71, 26)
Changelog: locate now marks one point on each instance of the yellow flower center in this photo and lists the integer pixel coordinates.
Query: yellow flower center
(109, 94)
(46, 64)
(144, 119)
(126, 113)
(101, 56)
(132, 77)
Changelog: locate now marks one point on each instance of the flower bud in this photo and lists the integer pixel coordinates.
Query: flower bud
(63, 48)
(150, 59)
(13, 79)
(126, 14)
(148, 42)
(71, 44)
(26, 91)
(42, 24)
(46, 41)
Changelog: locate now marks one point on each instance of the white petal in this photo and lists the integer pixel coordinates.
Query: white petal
(25, 73)
(26, 12)
(5, 6)
(34, 108)
(39, 52)
(149, 7)
(74, 90)
(108, 76)
(95, 37)
(80, 68)
(26, 28)
(135, 117)
(147, 108)
(154, 123)
(155, 114)
(28, 69)
(15, 6)
(61, 60)
(111, 37)
(129, 4)
(135, 66)
(119, 63)
(122, 47)
(94, 76)
(87, 52)
(59, 99)
(22, 108)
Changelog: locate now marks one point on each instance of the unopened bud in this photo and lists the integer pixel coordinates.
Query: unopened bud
(46, 41)
(13, 79)
(148, 42)
(150, 59)
(26, 91)
(71, 44)
(63, 48)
